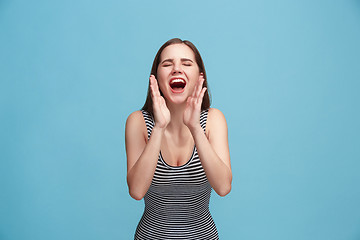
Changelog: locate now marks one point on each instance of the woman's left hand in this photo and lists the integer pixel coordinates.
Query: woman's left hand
(192, 111)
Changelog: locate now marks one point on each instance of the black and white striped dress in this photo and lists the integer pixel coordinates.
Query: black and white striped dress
(177, 202)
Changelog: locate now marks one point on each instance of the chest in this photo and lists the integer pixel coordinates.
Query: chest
(177, 152)
(189, 178)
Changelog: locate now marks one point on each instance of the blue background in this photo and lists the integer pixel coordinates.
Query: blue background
(285, 74)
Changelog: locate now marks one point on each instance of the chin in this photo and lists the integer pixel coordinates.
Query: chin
(177, 99)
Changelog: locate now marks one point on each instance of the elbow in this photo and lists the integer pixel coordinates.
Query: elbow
(224, 191)
(136, 195)
(133, 191)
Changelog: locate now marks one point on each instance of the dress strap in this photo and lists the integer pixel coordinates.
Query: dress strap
(149, 121)
(203, 118)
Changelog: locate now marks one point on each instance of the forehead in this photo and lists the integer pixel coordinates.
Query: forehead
(178, 50)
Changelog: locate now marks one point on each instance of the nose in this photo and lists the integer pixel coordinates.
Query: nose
(177, 68)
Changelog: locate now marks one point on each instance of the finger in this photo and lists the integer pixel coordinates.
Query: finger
(155, 86)
(199, 87)
(162, 101)
(194, 91)
(152, 88)
(188, 101)
(200, 98)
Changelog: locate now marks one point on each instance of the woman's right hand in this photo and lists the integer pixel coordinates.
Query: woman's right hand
(161, 112)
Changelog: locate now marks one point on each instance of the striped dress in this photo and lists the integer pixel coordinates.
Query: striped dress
(177, 202)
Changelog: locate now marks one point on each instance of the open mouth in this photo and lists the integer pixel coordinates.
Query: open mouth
(177, 85)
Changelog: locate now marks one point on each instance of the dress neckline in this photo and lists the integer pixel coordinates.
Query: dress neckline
(181, 166)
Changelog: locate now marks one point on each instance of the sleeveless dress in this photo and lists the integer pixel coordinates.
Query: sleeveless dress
(177, 201)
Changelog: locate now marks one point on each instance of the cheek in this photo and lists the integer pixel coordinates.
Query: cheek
(194, 74)
(162, 75)
(162, 85)
(160, 78)
(194, 79)
(192, 85)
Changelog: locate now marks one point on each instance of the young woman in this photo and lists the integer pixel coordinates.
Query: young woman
(177, 149)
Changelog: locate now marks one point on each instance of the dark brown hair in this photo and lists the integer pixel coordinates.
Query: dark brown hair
(206, 100)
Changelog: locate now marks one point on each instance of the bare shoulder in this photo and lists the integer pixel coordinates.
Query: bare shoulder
(134, 117)
(217, 134)
(135, 124)
(215, 116)
(216, 120)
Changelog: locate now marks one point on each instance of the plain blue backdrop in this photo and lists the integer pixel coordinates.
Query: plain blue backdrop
(284, 73)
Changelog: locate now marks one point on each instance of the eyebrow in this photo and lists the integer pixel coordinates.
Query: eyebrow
(171, 60)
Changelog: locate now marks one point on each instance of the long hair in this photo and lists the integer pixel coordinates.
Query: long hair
(148, 106)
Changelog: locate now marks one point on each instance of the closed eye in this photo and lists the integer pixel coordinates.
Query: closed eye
(187, 62)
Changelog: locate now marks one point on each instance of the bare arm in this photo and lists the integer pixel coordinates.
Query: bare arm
(214, 152)
(214, 149)
(142, 155)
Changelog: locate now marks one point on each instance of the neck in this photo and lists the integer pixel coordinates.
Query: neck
(176, 123)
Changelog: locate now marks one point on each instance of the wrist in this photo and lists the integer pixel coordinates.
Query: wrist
(195, 130)
(158, 128)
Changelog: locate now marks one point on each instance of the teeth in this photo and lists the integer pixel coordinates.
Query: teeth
(177, 80)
